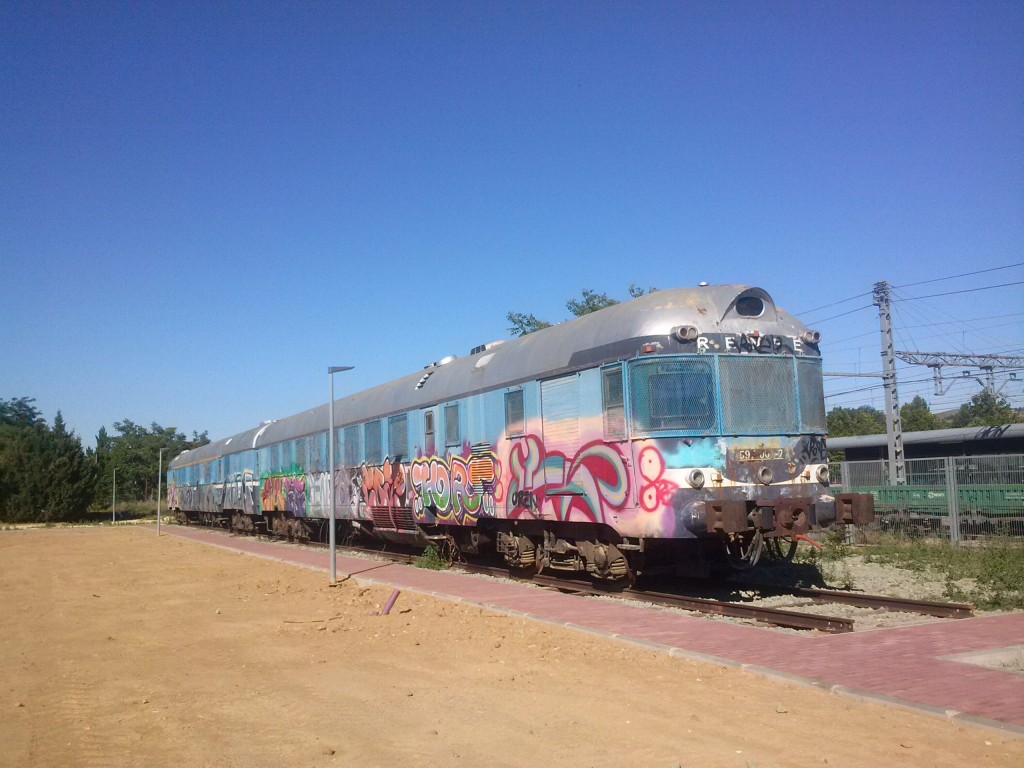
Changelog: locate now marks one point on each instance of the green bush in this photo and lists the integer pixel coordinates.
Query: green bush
(432, 560)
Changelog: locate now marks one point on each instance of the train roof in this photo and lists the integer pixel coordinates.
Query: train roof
(613, 333)
(958, 435)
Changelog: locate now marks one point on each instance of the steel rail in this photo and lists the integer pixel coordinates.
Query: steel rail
(883, 602)
(775, 616)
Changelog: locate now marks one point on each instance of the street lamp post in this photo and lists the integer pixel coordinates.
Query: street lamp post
(331, 370)
(113, 501)
(159, 487)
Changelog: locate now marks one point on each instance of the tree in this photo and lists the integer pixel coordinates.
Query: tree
(19, 412)
(135, 453)
(590, 301)
(44, 473)
(986, 410)
(635, 291)
(523, 324)
(918, 417)
(849, 422)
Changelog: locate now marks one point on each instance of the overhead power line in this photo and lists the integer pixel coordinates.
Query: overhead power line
(842, 314)
(834, 303)
(965, 274)
(964, 290)
(908, 285)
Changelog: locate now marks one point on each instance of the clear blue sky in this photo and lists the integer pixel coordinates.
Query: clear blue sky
(204, 205)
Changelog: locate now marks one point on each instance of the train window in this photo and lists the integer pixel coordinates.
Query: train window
(812, 395)
(749, 306)
(452, 433)
(372, 442)
(310, 455)
(758, 395)
(398, 437)
(353, 446)
(320, 449)
(674, 396)
(428, 433)
(515, 415)
(613, 403)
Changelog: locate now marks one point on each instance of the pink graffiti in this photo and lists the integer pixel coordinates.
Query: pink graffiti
(656, 491)
(385, 486)
(589, 486)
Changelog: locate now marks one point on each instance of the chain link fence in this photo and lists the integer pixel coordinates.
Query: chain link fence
(955, 498)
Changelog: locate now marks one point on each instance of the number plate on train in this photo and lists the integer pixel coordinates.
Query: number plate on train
(760, 454)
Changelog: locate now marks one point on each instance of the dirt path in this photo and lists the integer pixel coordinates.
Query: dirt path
(119, 648)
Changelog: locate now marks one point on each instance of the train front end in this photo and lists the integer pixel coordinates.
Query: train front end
(727, 428)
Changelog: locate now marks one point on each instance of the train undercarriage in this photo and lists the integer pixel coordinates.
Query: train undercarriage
(736, 536)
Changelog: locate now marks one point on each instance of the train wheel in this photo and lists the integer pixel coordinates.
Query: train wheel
(743, 550)
(782, 547)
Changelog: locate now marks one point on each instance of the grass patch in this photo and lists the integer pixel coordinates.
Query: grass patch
(433, 560)
(126, 510)
(989, 574)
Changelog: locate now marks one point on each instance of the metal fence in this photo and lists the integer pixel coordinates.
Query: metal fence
(956, 497)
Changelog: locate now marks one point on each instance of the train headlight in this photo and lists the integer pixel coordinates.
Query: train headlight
(685, 332)
(696, 479)
(822, 475)
(765, 475)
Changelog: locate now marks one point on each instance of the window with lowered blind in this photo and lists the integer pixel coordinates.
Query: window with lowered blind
(372, 442)
(452, 433)
(560, 414)
(428, 433)
(353, 446)
(515, 415)
(398, 436)
(613, 403)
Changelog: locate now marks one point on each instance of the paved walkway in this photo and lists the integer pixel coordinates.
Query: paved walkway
(905, 666)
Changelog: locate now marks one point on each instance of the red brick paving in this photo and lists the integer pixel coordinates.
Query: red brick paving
(904, 665)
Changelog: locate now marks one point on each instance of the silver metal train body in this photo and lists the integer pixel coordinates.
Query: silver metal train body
(663, 433)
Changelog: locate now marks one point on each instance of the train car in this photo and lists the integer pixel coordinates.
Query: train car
(993, 508)
(668, 433)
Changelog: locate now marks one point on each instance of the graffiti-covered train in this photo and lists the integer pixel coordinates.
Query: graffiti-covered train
(668, 433)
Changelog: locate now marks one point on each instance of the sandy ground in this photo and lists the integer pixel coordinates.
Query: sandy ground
(119, 648)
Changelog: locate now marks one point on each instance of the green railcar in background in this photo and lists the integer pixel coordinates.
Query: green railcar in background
(980, 509)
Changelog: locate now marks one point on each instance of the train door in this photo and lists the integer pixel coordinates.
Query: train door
(560, 429)
(425, 472)
(429, 423)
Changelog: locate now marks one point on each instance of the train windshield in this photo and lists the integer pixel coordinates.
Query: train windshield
(812, 395)
(674, 396)
(759, 395)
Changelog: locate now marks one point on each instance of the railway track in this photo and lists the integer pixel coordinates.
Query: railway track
(772, 616)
